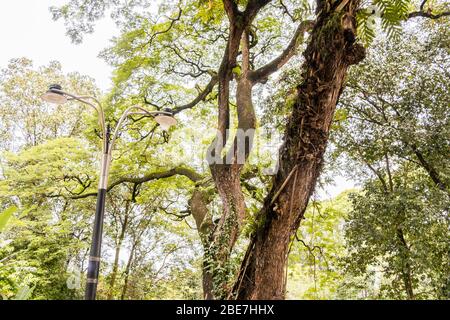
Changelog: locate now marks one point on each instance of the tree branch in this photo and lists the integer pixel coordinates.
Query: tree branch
(261, 74)
(172, 22)
(423, 4)
(286, 11)
(183, 171)
(252, 9)
(428, 15)
(231, 9)
(201, 96)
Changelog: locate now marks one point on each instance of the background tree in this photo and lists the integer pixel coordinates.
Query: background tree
(24, 120)
(403, 234)
(404, 114)
(393, 131)
(315, 270)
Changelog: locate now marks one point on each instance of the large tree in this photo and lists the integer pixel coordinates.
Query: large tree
(155, 58)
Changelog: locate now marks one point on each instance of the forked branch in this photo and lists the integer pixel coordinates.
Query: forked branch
(261, 74)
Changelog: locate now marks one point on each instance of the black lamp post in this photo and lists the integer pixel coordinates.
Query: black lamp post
(55, 94)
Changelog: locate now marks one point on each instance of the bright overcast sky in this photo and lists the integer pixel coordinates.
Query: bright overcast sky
(27, 30)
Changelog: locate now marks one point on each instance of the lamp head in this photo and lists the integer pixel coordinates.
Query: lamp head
(166, 119)
(54, 95)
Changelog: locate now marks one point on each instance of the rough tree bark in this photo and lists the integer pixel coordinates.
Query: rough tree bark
(331, 50)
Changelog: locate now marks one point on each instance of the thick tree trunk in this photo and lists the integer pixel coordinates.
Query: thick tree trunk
(227, 174)
(329, 54)
(228, 183)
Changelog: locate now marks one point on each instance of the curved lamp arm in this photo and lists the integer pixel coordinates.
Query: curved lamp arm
(55, 94)
(128, 112)
(98, 109)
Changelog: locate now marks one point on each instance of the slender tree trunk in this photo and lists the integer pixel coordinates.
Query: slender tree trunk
(329, 54)
(406, 267)
(127, 272)
(117, 254)
(433, 174)
(199, 209)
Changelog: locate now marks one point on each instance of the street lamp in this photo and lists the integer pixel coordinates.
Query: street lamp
(165, 118)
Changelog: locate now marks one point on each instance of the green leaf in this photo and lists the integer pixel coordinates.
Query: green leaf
(5, 216)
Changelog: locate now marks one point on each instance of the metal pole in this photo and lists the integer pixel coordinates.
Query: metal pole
(94, 255)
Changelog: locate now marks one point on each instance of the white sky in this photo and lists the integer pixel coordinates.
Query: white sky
(27, 30)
